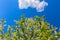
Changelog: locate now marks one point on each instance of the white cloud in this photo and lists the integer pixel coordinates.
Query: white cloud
(24, 4)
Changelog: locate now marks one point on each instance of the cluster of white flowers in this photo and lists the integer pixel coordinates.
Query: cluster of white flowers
(39, 5)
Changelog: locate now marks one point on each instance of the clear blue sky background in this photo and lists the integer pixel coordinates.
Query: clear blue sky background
(10, 11)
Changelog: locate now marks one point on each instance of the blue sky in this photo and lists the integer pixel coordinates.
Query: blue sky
(9, 10)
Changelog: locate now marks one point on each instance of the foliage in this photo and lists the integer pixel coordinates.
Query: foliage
(34, 28)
